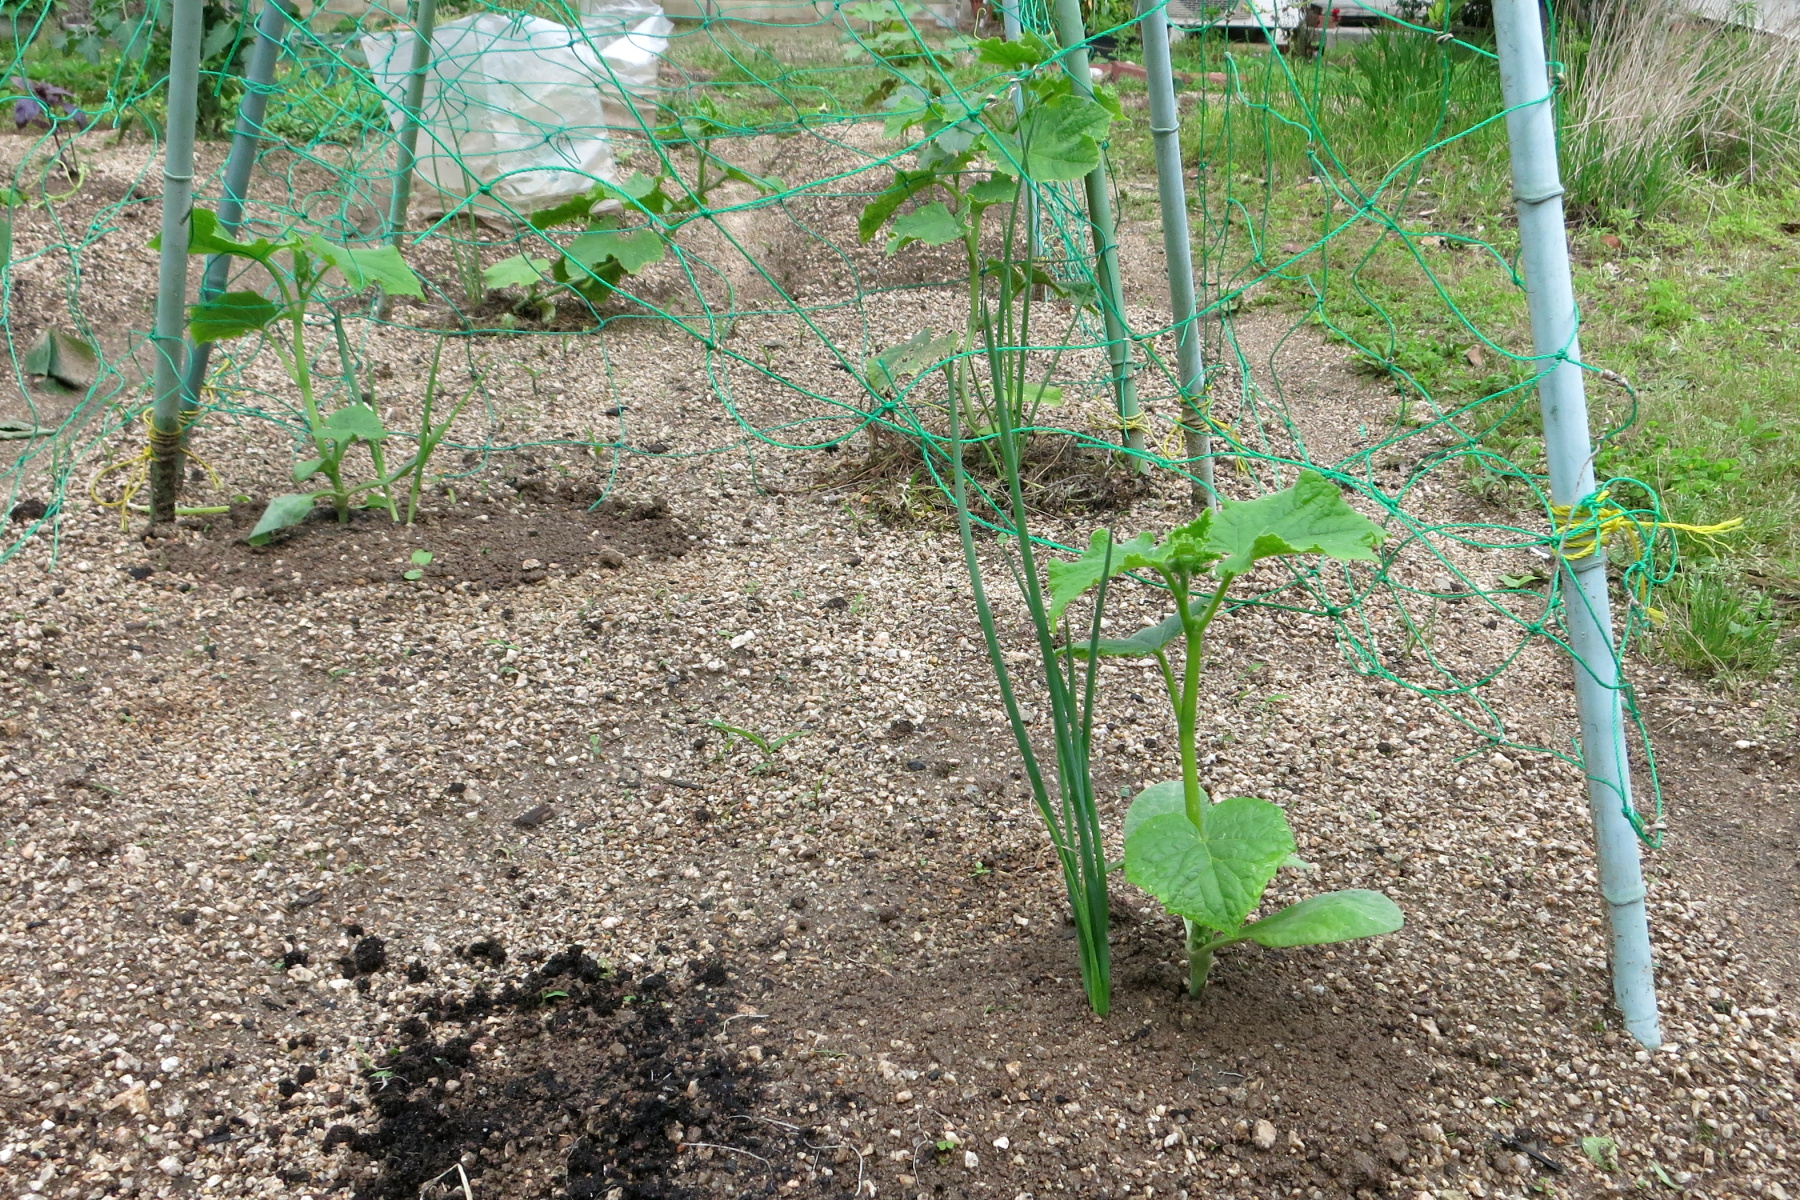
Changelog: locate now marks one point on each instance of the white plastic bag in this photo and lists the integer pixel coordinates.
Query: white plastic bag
(518, 104)
(633, 37)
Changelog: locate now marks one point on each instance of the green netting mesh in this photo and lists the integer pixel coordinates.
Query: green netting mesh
(742, 146)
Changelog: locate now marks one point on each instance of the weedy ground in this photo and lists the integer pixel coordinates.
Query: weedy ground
(295, 848)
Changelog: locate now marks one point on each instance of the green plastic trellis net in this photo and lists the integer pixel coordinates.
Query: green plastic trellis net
(624, 184)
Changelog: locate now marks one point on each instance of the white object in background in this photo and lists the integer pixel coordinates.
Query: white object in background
(632, 37)
(1273, 19)
(520, 105)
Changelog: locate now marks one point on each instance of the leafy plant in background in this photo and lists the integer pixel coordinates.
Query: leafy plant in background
(626, 226)
(1717, 628)
(139, 35)
(977, 151)
(44, 106)
(1210, 862)
(308, 261)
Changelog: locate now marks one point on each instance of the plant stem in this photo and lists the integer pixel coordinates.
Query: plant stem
(418, 480)
(1200, 956)
(330, 457)
(1187, 710)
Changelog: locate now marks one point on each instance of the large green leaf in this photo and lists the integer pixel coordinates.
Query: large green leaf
(1216, 878)
(283, 512)
(644, 191)
(932, 224)
(1311, 517)
(1141, 644)
(1069, 579)
(368, 266)
(521, 270)
(231, 315)
(1058, 141)
(1332, 917)
(632, 249)
(1028, 51)
(1158, 800)
(876, 212)
(355, 421)
(575, 208)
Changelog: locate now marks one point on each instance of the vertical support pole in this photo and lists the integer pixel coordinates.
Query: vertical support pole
(246, 137)
(1544, 251)
(1073, 36)
(1171, 195)
(1009, 19)
(170, 336)
(424, 24)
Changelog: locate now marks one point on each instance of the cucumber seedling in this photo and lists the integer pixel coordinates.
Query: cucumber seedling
(299, 267)
(1206, 862)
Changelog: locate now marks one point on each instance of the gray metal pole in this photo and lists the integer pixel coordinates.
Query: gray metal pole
(424, 25)
(1073, 36)
(246, 137)
(1171, 195)
(170, 336)
(1009, 19)
(1544, 252)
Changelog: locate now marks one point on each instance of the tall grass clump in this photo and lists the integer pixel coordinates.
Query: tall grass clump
(1658, 98)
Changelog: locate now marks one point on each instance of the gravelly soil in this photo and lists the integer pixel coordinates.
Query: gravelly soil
(257, 843)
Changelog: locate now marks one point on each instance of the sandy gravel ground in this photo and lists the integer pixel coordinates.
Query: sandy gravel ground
(293, 857)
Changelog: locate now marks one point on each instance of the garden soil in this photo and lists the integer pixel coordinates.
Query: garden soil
(475, 885)
(546, 530)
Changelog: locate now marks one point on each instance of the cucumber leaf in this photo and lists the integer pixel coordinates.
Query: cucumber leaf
(1331, 917)
(1215, 878)
(1311, 517)
(1141, 644)
(231, 315)
(283, 512)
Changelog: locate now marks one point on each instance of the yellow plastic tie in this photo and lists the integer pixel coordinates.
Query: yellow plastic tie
(1582, 538)
(137, 468)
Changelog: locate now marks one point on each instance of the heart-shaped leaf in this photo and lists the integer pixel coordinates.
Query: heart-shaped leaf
(355, 421)
(206, 237)
(1216, 878)
(900, 363)
(1157, 800)
(632, 249)
(521, 270)
(876, 212)
(933, 224)
(1057, 141)
(1333, 917)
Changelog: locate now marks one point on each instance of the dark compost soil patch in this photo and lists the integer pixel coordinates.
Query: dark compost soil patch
(1060, 475)
(484, 542)
(576, 1081)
